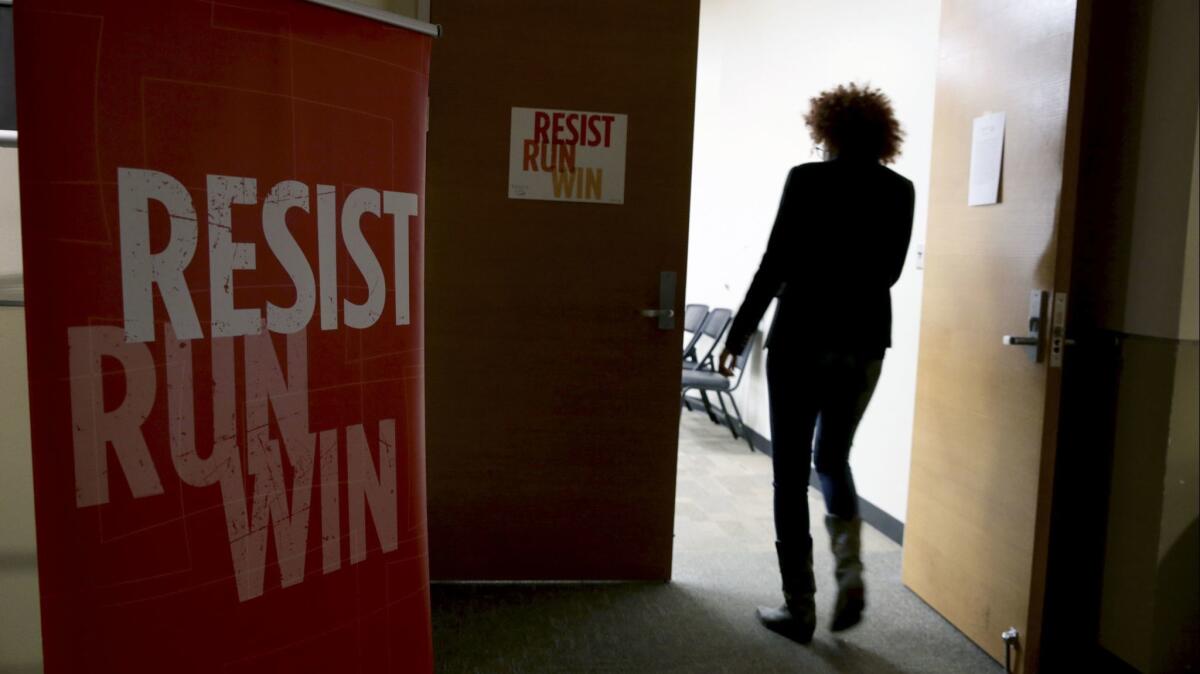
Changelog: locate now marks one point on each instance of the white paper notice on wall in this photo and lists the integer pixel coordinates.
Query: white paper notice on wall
(567, 155)
(987, 159)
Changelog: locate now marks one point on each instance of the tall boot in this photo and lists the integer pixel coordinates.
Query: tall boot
(845, 540)
(797, 618)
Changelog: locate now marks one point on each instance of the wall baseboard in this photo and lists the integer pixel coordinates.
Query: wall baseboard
(871, 514)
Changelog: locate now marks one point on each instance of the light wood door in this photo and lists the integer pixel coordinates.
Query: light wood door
(552, 403)
(986, 415)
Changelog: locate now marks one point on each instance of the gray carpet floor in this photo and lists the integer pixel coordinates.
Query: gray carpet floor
(703, 620)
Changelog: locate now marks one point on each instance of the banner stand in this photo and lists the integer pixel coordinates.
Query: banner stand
(222, 212)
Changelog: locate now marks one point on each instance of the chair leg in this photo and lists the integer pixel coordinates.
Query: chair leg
(728, 418)
(683, 399)
(741, 424)
(708, 406)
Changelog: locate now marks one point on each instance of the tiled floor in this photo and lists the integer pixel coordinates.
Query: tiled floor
(723, 500)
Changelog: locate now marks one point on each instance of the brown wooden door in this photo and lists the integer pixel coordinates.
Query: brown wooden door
(986, 415)
(552, 404)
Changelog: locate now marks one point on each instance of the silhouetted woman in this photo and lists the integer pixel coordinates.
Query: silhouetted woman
(837, 247)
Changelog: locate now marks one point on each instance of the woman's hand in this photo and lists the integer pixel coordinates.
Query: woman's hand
(725, 364)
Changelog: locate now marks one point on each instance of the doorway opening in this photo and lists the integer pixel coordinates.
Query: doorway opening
(756, 69)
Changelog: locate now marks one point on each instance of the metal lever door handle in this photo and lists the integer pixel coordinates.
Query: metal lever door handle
(666, 299)
(1033, 340)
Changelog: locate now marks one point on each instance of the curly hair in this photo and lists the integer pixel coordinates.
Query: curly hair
(855, 120)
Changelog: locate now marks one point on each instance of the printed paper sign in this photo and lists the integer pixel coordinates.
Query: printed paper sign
(567, 155)
(987, 159)
(221, 209)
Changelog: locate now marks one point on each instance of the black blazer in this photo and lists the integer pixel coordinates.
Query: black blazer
(837, 247)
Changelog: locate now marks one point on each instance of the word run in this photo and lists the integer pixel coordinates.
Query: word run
(98, 423)
(556, 136)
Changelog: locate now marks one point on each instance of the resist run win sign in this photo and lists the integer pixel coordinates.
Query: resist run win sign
(222, 221)
(567, 155)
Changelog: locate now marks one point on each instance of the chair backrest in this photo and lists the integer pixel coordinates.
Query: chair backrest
(693, 318)
(716, 323)
(714, 327)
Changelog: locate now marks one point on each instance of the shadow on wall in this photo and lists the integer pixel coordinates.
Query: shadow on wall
(1177, 613)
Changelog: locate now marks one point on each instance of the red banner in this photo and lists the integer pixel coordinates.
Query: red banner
(222, 210)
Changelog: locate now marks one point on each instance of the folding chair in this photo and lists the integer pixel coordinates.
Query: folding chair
(713, 328)
(693, 318)
(706, 380)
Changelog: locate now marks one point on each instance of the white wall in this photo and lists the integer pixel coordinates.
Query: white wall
(759, 63)
(20, 621)
(413, 8)
(10, 214)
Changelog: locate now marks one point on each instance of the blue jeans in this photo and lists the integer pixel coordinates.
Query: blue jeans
(822, 396)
